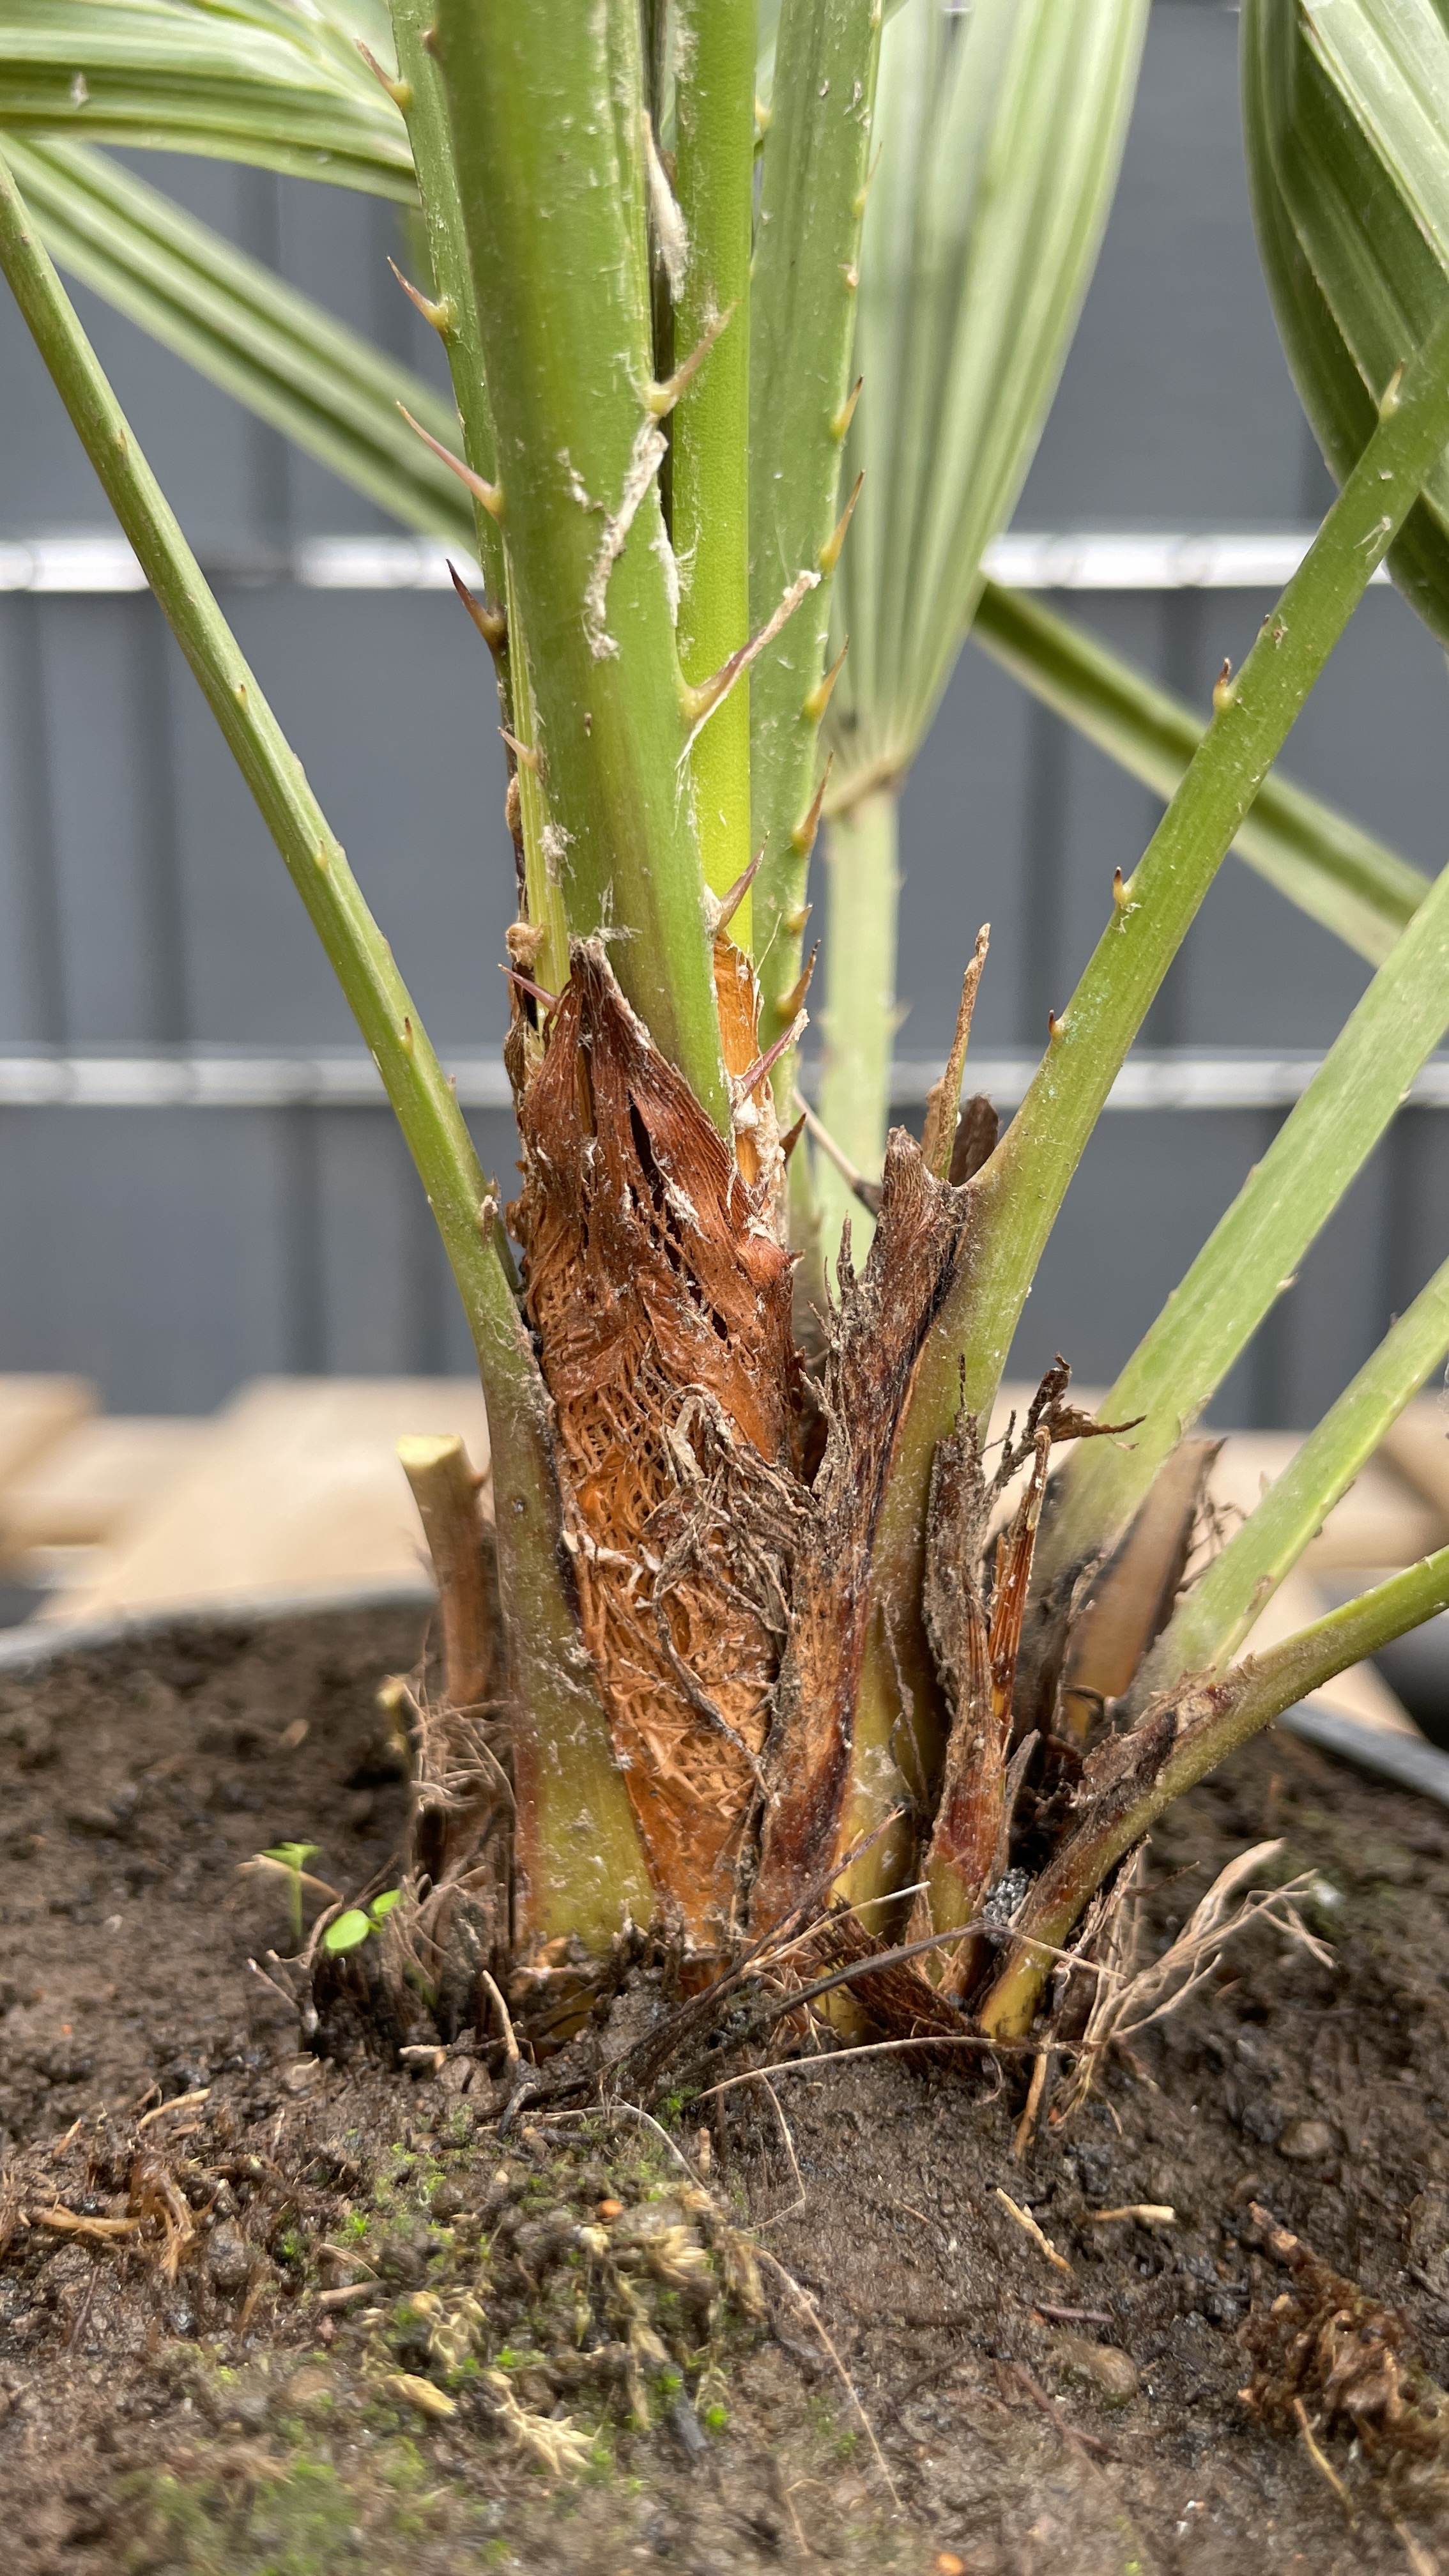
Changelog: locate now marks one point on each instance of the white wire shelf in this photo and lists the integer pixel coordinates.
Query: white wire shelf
(1168, 1078)
(92, 562)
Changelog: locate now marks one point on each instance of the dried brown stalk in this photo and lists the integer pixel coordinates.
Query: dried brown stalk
(661, 1301)
(446, 1490)
(884, 1315)
(976, 1657)
(1132, 1599)
(943, 1100)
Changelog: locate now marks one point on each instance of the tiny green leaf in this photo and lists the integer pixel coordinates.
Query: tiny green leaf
(382, 1906)
(293, 1855)
(348, 1932)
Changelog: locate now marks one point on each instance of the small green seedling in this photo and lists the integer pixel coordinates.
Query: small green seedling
(293, 1858)
(350, 1930)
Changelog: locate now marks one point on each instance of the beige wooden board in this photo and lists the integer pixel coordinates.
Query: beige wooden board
(294, 1487)
(1418, 1446)
(1382, 1520)
(1392, 1513)
(1358, 1693)
(35, 1412)
(91, 1480)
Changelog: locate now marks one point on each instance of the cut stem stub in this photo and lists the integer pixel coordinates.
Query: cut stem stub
(445, 1490)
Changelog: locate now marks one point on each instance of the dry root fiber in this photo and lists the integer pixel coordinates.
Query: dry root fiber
(1329, 2360)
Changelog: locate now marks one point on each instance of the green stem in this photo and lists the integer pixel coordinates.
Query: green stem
(425, 111)
(543, 884)
(715, 56)
(1022, 1188)
(1255, 1248)
(546, 111)
(425, 114)
(1331, 869)
(863, 875)
(1214, 1617)
(564, 1726)
(1175, 1748)
(802, 323)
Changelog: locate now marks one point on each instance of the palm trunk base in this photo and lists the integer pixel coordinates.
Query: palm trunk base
(721, 1568)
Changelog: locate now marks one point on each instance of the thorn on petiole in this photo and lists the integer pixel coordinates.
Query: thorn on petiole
(698, 702)
(535, 991)
(1223, 690)
(488, 495)
(661, 399)
(399, 91)
(842, 419)
(720, 909)
(819, 699)
(860, 199)
(1389, 398)
(741, 1085)
(802, 839)
(442, 314)
(789, 1005)
(491, 623)
(525, 753)
(829, 555)
(1120, 896)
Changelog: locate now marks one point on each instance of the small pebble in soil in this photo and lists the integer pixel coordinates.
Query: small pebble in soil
(1099, 2366)
(228, 2261)
(1305, 2141)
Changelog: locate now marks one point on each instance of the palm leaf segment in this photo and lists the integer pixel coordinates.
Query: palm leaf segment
(266, 83)
(1346, 107)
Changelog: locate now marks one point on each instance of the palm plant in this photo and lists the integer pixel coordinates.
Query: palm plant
(759, 1619)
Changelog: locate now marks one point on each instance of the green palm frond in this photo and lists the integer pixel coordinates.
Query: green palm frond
(999, 136)
(241, 326)
(263, 82)
(1346, 120)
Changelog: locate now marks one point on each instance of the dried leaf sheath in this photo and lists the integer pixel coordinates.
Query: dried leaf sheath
(662, 1306)
(884, 1317)
(976, 1657)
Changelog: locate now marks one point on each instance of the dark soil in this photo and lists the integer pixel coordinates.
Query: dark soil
(184, 2389)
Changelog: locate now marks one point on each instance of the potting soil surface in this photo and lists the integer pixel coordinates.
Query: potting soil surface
(265, 2316)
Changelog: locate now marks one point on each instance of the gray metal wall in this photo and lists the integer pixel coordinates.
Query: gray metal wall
(174, 1251)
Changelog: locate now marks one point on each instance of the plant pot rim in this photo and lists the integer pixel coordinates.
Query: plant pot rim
(38, 1642)
(1406, 1762)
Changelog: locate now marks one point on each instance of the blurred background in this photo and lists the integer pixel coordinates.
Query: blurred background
(198, 1183)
